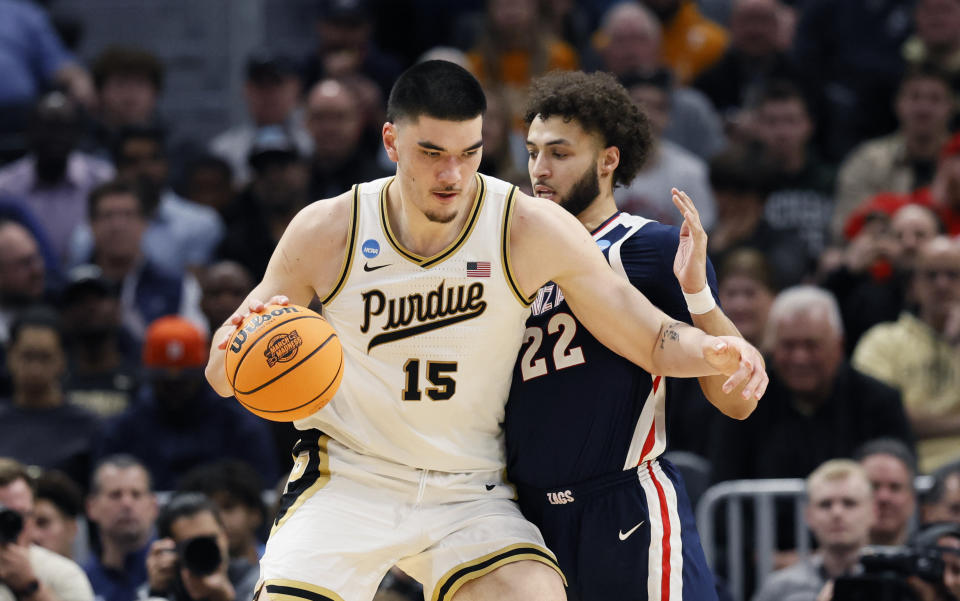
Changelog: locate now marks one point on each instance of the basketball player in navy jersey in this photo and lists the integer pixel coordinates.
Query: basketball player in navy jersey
(585, 426)
(427, 278)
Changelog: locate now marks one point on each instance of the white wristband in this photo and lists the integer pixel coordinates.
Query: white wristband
(701, 302)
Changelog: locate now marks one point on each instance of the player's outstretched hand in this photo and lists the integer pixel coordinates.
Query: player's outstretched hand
(254, 306)
(737, 358)
(690, 264)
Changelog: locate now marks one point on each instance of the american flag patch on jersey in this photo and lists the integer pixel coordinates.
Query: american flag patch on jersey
(478, 269)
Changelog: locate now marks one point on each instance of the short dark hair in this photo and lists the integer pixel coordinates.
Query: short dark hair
(734, 171)
(889, 446)
(232, 477)
(61, 490)
(120, 461)
(438, 89)
(35, 316)
(184, 505)
(211, 162)
(127, 60)
(781, 90)
(115, 188)
(155, 133)
(599, 104)
(940, 477)
(925, 70)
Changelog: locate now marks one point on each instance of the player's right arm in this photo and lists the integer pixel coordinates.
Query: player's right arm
(549, 244)
(307, 260)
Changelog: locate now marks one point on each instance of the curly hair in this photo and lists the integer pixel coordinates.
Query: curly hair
(600, 105)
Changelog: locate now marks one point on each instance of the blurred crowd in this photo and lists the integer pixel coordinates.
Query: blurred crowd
(820, 140)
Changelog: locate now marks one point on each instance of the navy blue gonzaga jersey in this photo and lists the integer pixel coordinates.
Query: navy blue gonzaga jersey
(577, 409)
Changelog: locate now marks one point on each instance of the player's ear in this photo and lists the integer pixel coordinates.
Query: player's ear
(609, 160)
(390, 140)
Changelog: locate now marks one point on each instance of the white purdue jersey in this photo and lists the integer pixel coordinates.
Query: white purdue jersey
(429, 343)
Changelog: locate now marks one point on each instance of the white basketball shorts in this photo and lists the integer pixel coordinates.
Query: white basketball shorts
(346, 518)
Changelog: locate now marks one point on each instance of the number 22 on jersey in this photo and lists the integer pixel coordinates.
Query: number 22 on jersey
(532, 366)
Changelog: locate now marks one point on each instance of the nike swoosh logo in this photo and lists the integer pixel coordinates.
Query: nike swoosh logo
(366, 267)
(491, 486)
(626, 535)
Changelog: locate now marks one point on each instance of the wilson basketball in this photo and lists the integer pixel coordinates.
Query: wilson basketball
(284, 363)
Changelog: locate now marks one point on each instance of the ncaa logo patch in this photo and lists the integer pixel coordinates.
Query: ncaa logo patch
(370, 248)
(603, 244)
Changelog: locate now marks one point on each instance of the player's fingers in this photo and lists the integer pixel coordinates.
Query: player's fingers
(738, 377)
(256, 306)
(279, 299)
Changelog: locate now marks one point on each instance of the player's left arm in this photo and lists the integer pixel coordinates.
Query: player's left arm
(549, 244)
(690, 267)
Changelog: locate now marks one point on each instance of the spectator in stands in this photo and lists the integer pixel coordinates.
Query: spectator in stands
(513, 47)
(278, 190)
(801, 184)
(208, 181)
(936, 38)
(942, 502)
(123, 507)
(851, 51)
(102, 369)
(891, 467)
(346, 46)
(236, 489)
(913, 226)
(29, 572)
(22, 273)
(33, 59)
(945, 539)
(224, 285)
(58, 502)
(691, 42)
(188, 516)
(129, 82)
(740, 189)
(54, 178)
(905, 160)
(502, 157)
(816, 408)
(840, 513)
(335, 122)
(753, 59)
(147, 291)
(272, 92)
(39, 427)
(868, 286)
(667, 165)
(918, 354)
(629, 43)
(179, 421)
(746, 292)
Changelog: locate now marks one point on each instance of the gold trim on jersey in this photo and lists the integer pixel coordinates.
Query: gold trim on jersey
(427, 262)
(281, 589)
(351, 246)
(450, 583)
(306, 466)
(505, 250)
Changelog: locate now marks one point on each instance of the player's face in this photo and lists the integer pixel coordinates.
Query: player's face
(840, 512)
(436, 163)
(892, 492)
(563, 163)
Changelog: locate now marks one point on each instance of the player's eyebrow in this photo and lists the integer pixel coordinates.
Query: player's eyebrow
(432, 146)
(557, 142)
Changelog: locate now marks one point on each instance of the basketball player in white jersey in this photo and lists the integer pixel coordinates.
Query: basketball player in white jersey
(427, 278)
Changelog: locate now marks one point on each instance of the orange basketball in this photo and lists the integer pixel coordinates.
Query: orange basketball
(284, 363)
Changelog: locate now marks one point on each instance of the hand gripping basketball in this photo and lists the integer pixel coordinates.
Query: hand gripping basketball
(284, 361)
(737, 358)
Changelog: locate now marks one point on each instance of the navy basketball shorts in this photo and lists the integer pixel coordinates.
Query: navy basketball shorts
(629, 536)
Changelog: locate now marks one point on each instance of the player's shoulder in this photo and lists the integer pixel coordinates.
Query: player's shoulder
(649, 234)
(325, 215)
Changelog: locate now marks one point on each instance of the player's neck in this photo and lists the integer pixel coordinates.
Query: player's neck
(599, 210)
(418, 233)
